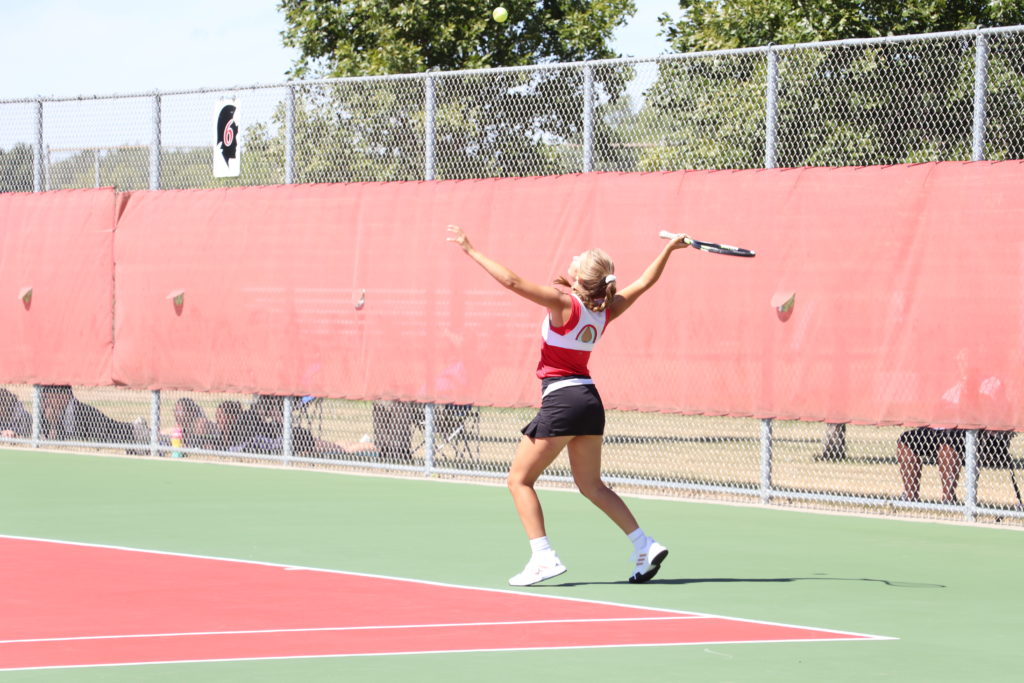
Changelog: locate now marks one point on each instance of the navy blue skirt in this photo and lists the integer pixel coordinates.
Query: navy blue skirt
(574, 410)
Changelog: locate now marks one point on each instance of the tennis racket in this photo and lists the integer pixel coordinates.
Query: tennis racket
(711, 247)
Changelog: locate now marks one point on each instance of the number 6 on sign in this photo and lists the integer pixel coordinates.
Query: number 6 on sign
(226, 156)
(712, 247)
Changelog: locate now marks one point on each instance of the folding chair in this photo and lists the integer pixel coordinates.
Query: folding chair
(308, 412)
(458, 428)
(456, 432)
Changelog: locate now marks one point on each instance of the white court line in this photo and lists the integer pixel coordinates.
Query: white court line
(401, 653)
(315, 629)
(424, 582)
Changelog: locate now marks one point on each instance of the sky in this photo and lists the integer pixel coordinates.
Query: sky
(65, 48)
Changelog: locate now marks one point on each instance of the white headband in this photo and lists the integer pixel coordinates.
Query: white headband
(609, 279)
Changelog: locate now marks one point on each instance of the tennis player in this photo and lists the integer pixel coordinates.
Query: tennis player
(571, 413)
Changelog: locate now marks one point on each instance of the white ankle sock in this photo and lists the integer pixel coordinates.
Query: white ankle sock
(639, 539)
(540, 545)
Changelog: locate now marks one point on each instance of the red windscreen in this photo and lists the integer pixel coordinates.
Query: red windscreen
(56, 286)
(907, 283)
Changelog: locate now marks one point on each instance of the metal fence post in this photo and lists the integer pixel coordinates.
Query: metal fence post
(428, 438)
(429, 152)
(154, 422)
(289, 137)
(980, 90)
(37, 171)
(771, 109)
(37, 415)
(766, 460)
(588, 118)
(429, 127)
(154, 150)
(287, 445)
(971, 474)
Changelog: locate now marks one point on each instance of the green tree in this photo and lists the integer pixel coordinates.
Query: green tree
(837, 105)
(373, 37)
(123, 168)
(724, 24)
(16, 169)
(127, 168)
(262, 162)
(485, 124)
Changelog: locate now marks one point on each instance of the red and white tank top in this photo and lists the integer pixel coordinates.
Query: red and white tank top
(565, 350)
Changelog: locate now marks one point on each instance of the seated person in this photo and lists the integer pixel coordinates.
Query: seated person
(197, 430)
(946, 447)
(263, 426)
(393, 423)
(15, 421)
(230, 419)
(65, 418)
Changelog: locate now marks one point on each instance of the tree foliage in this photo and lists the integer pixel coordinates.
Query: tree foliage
(486, 124)
(726, 24)
(17, 169)
(373, 37)
(836, 104)
(128, 168)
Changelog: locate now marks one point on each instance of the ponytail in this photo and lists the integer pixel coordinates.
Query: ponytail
(609, 295)
(597, 293)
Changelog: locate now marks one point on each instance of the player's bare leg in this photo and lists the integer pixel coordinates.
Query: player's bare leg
(531, 459)
(585, 460)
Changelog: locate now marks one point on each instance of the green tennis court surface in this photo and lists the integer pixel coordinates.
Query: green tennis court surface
(947, 595)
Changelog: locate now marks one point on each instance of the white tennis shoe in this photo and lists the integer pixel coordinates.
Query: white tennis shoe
(647, 562)
(541, 567)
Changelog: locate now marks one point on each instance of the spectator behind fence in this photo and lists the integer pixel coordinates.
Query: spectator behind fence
(197, 430)
(230, 419)
(393, 423)
(263, 426)
(65, 418)
(15, 421)
(946, 447)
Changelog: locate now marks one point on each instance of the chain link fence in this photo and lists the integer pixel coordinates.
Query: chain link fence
(951, 96)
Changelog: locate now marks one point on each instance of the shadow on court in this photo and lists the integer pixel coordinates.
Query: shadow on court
(793, 579)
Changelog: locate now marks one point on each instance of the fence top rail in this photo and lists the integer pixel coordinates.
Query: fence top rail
(672, 57)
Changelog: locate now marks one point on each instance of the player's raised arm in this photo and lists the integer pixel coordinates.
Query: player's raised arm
(548, 297)
(629, 294)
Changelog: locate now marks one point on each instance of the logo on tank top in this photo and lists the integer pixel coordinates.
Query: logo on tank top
(587, 335)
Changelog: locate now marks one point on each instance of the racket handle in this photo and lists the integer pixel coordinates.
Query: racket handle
(672, 235)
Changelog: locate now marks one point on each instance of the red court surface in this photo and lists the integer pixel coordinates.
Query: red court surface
(67, 605)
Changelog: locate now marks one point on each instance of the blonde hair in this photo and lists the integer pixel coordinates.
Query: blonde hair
(592, 285)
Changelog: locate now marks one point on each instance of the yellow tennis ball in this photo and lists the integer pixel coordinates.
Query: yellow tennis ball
(500, 14)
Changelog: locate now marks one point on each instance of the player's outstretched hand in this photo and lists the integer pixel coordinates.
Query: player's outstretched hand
(457, 235)
(680, 241)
